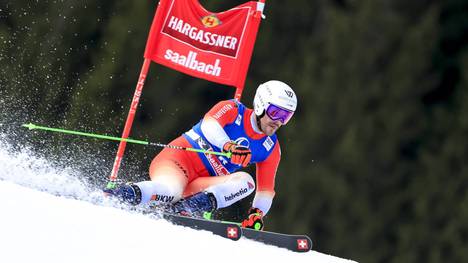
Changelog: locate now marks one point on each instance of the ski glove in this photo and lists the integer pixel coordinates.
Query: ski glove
(254, 220)
(241, 155)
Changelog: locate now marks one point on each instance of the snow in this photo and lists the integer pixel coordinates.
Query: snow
(49, 215)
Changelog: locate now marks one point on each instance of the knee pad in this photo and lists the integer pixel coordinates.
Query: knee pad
(238, 186)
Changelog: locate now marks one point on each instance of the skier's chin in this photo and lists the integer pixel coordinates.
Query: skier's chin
(270, 130)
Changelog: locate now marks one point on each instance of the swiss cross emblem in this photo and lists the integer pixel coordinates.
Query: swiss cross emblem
(232, 233)
(302, 244)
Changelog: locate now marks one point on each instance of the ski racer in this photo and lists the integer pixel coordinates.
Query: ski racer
(194, 183)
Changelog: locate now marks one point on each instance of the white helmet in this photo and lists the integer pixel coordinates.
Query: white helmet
(276, 93)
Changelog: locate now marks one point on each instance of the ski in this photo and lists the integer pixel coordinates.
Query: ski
(227, 230)
(296, 243)
(233, 231)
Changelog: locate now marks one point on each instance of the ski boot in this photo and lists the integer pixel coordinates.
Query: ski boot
(195, 205)
(129, 193)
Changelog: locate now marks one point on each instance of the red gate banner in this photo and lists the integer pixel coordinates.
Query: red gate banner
(186, 37)
(214, 46)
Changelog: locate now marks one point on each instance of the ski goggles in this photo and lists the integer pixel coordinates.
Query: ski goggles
(278, 113)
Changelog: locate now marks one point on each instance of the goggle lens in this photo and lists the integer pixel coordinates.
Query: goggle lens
(278, 113)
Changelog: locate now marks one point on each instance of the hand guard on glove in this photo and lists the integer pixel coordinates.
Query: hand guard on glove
(240, 155)
(254, 220)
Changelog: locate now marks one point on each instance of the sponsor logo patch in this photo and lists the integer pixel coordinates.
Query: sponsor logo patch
(223, 111)
(162, 198)
(302, 244)
(239, 120)
(211, 21)
(289, 93)
(206, 38)
(241, 192)
(232, 232)
(243, 141)
(268, 143)
(223, 160)
(190, 61)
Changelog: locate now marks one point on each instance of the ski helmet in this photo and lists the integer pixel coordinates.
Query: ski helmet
(276, 99)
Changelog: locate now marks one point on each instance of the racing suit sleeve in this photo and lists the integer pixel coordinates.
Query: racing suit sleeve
(223, 113)
(266, 173)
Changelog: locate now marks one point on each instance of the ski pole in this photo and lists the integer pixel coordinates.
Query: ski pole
(99, 136)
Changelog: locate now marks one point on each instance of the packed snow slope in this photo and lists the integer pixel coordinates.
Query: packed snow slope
(49, 215)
